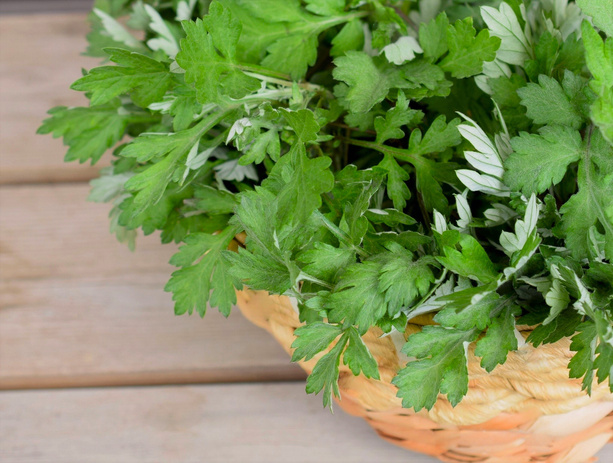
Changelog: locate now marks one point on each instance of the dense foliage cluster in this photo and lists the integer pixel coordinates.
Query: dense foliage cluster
(384, 158)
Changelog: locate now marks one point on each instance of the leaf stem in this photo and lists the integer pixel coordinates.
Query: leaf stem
(306, 277)
(264, 96)
(258, 72)
(401, 154)
(286, 82)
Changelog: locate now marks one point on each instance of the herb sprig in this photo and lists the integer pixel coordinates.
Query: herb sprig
(384, 158)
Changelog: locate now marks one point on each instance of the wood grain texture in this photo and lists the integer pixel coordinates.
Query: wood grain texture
(254, 423)
(79, 309)
(39, 59)
(267, 423)
(44, 6)
(51, 231)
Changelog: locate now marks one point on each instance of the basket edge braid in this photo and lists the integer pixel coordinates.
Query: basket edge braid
(527, 410)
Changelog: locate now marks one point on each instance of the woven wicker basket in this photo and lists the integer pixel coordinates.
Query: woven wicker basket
(527, 410)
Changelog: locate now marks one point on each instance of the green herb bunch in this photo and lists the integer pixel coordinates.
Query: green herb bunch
(384, 158)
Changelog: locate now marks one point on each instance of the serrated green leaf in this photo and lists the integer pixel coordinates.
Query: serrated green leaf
(292, 54)
(562, 326)
(170, 151)
(469, 308)
(499, 339)
(325, 7)
(214, 201)
(208, 56)
(192, 285)
(88, 132)
(265, 143)
(601, 12)
(429, 187)
(429, 174)
(468, 51)
(292, 40)
(367, 84)
(439, 136)
(539, 161)
(326, 262)
(397, 188)
(440, 363)
(471, 261)
(261, 272)
(599, 57)
(548, 102)
(357, 356)
(325, 374)
(356, 299)
(403, 279)
(313, 338)
(354, 222)
(303, 123)
(433, 37)
(350, 37)
(545, 57)
(589, 206)
(302, 194)
(584, 344)
(425, 80)
(390, 217)
(389, 127)
(144, 78)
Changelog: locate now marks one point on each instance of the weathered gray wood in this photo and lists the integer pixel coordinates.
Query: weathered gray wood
(267, 423)
(253, 423)
(79, 309)
(51, 231)
(39, 59)
(43, 6)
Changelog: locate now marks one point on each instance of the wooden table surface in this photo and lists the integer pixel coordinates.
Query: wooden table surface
(94, 366)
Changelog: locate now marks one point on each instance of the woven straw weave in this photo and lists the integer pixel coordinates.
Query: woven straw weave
(527, 410)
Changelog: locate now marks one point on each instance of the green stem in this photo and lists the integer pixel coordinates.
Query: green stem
(306, 277)
(264, 96)
(401, 154)
(209, 122)
(286, 83)
(262, 71)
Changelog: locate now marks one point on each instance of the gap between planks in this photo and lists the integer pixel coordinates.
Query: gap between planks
(208, 375)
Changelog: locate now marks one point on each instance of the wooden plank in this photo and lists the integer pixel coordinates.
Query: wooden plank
(255, 423)
(267, 423)
(43, 6)
(39, 59)
(79, 309)
(50, 230)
